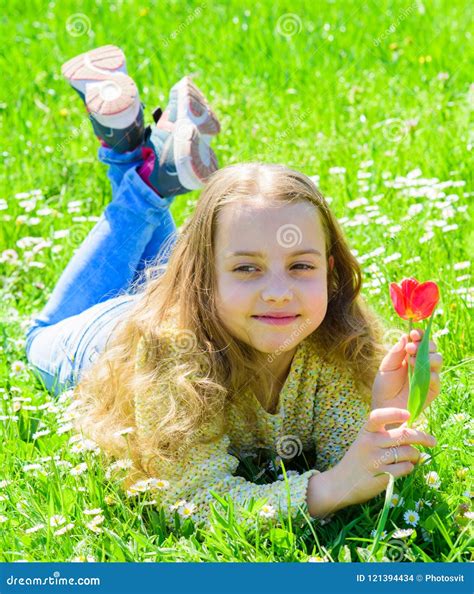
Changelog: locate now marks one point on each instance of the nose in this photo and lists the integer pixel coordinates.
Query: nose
(277, 290)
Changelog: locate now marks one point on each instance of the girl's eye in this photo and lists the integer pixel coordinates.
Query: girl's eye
(240, 268)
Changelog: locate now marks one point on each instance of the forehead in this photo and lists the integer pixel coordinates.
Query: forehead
(269, 227)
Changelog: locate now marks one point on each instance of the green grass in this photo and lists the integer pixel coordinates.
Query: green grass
(380, 89)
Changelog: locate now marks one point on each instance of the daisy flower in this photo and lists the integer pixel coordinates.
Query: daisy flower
(382, 536)
(17, 367)
(159, 484)
(57, 520)
(411, 517)
(469, 515)
(3, 519)
(178, 504)
(187, 510)
(421, 503)
(432, 480)
(403, 533)
(93, 512)
(64, 529)
(396, 500)
(268, 511)
(34, 529)
(79, 469)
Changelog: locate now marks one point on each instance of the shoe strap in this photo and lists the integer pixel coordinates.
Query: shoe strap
(157, 113)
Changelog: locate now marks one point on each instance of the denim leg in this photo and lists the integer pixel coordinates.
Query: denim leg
(106, 262)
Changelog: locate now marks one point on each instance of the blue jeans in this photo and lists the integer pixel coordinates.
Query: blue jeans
(94, 292)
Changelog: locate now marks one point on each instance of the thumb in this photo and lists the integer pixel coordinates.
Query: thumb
(393, 360)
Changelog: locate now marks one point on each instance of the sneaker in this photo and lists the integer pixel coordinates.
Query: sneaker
(177, 154)
(188, 104)
(110, 95)
(169, 174)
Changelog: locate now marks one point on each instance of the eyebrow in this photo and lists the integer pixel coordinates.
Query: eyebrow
(257, 254)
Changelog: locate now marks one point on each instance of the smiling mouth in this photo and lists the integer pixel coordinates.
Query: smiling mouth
(276, 321)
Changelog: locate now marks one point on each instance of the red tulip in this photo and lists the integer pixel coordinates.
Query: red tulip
(413, 300)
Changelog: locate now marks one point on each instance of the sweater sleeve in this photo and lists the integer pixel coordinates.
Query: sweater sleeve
(340, 413)
(185, 486)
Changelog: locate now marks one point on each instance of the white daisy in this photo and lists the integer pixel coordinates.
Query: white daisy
(79, 469)
(382, 535)
(403, 533)
(187, 510)
(56, 520)
(469, 515)
(268, 511)
(411, 517)
(432, 480)
(159, 484)
(64, 529)
(3, 519)
(396, 500)
(93, 512)
(17, 367)
(178, 504)
(34, 529)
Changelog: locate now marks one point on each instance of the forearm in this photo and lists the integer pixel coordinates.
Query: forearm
(323, 496)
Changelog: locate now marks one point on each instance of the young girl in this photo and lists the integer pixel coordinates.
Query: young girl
(248, 333)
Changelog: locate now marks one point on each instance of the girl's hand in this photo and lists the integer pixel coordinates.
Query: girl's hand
(375, 450)
(391, 382)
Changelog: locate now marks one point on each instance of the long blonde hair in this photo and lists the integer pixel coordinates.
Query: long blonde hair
(190, 359)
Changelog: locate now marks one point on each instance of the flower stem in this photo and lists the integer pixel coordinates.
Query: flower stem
(410, 328)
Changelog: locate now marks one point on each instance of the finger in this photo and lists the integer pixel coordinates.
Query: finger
(400, 469)
(404, 436)
(403, 453)
(416, 334)
(412, 347)
(435, 359)
(379, 417)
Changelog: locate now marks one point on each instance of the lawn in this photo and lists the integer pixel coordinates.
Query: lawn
(372, 98)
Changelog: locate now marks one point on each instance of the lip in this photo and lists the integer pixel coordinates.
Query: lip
(277, 320)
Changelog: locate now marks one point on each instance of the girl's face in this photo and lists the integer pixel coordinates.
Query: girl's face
(285, 274)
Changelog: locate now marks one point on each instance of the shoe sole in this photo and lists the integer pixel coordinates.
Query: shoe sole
(195, 160)
(100, 77)
(193, 106)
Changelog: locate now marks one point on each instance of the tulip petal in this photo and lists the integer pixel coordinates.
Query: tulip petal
(398, 300)
(424, 300)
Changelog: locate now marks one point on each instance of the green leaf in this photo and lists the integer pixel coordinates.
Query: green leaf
(420, 381)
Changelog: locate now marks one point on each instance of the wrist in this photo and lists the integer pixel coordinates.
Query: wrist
(324, 496)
